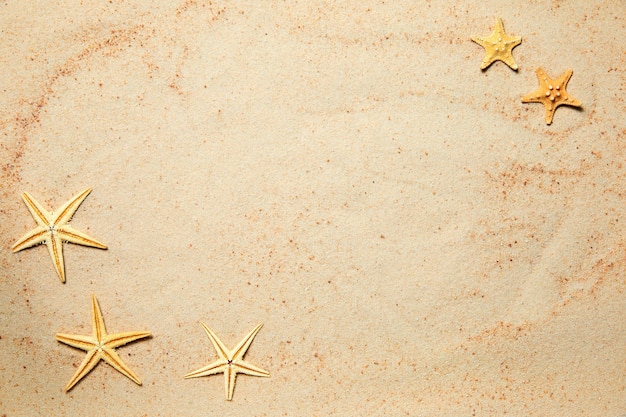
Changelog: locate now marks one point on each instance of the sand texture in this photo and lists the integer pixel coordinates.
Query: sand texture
(416, 240)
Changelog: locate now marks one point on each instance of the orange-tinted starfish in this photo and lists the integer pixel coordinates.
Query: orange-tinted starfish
(552, 93)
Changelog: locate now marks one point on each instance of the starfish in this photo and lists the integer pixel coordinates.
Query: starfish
(552, 93)
(230, 362)
(498, 46)
(100, 346)
(52, 229)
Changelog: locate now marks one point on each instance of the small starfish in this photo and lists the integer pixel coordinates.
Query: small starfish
(552, 93)
(498, 46)
(53, 229)
(100, 346)
(230, 362)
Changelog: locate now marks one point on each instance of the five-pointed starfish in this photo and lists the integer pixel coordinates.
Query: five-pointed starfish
(552, 93)
(230, 362)
(53, 229)
(100, 346)
(498, 46)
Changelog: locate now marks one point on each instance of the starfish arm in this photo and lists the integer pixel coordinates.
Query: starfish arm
(488, 60)
(564, 79)
(499, 28)
(229, 381)
(40, 214)
(243, 346)
(34, 237)
(511, 41)
(533, 97)
(69, 234)
(68, 209)
(550, 109)
(216, 367)
(541, 75)
(508, 59)
(99, 330)
(247, 368)
(573, 102)
(81, 342)
(479, 40)
(221, 350)
(90, 361)
(55, 247)
(568, 100)
(113, 359)
(119, 339)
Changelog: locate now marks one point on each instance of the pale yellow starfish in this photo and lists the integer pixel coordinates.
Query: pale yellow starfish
(498, 46)
(551, 93)
(100, 346)
(230, 362)
(52, 229)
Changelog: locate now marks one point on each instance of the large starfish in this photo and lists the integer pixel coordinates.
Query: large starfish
(52, 229)
(498, 46)
(100, 346)
(552, 93)
(230, 362)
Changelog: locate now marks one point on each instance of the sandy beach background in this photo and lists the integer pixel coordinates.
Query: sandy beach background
(415, 240)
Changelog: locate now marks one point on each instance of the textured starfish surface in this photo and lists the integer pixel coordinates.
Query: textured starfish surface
(230, 362)
(53, 229)
(100, 346)
(498, 46)
(552, 93)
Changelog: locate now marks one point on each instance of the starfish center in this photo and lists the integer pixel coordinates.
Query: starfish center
(553, 93)
(500, 46)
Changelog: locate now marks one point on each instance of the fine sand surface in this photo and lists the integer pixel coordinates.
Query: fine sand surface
(415, 239)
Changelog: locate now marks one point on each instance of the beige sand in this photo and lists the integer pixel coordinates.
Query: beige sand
(415, 239)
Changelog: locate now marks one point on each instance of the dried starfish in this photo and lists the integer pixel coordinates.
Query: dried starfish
(230, 362)
(552, 93)
(498, 46)
(52, 229)
(100, 346)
